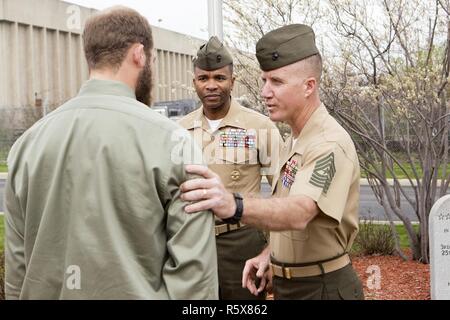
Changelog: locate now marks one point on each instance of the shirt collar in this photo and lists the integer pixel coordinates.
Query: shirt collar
(106, 87)
(234, 117)
(310, 130)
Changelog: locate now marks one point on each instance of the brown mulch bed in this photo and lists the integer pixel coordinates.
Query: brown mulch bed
(400, 280)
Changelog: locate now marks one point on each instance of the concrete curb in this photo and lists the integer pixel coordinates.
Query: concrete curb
(385, 222)
(402, 182)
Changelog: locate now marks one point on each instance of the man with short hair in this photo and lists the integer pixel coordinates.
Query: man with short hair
(238, 144)
(93, 207)
(313, 214)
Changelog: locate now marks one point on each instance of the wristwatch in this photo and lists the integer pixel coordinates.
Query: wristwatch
(239, 210)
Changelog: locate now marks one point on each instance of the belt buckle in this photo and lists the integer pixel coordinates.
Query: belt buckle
(286, 272)
(218, 230)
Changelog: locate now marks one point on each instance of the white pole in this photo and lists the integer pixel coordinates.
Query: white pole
(215, 19)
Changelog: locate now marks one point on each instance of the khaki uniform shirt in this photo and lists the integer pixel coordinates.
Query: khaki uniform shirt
(322, 165)
(243, 149)
(93, 208)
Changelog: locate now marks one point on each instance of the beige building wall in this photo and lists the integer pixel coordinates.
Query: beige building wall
(42, 60)
(174, 71)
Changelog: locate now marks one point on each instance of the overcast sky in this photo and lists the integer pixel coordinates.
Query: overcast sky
(184, 16)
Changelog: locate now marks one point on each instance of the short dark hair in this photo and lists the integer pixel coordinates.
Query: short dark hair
(315, 62)
(108, 35)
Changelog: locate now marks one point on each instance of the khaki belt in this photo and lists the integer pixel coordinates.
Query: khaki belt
(311, 270)
(224, 228)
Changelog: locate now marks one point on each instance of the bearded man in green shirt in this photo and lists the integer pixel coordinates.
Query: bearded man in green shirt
(93, 208)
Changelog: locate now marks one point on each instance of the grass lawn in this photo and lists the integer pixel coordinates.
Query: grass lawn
(2, 233)
(378, 233)
(404, 240)
(3, 156)
(401, 175)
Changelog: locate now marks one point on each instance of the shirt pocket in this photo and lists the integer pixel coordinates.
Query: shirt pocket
(297, 235)
(239, 169)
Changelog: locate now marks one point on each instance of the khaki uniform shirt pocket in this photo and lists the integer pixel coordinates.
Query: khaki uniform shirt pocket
(239, 169)
(288, 246)
(297, 235)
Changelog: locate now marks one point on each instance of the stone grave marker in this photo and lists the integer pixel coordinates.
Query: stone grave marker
(439, 227)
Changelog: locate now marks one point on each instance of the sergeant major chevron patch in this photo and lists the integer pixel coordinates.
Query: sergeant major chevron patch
(323, 173)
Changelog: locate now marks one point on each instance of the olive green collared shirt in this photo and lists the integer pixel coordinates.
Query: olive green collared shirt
(93, 208)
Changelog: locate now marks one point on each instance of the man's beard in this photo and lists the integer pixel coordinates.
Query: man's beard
(144, 85)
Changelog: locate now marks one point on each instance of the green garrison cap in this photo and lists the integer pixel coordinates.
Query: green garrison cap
(285, 45)
(212, 55)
